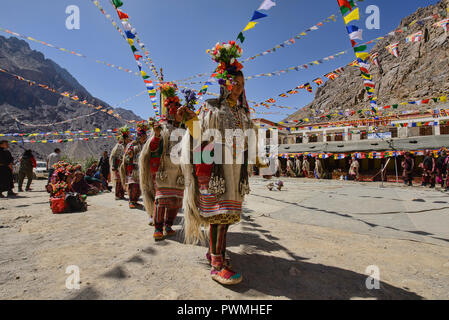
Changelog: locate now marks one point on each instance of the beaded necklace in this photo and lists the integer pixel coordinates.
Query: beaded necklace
(233, 106)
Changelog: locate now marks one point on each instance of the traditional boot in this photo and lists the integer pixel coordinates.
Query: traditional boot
(158, 234)
(222, 274)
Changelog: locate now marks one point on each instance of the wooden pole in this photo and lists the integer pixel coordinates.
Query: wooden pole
(161, 102)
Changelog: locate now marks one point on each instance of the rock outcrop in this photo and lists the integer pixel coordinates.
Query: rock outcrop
(33, 105)
(420, 72)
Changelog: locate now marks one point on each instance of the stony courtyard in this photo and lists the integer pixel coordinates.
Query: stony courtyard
(312, 240)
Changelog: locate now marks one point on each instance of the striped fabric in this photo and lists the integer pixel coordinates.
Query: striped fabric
(169, 193)
(209, 205)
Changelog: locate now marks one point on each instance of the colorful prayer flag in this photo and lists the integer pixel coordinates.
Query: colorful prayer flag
(354, 15)
(267, 5)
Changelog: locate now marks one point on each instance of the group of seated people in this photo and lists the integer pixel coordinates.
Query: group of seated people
(87, 183)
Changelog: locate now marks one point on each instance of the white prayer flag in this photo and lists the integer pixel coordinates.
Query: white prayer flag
(267, 5)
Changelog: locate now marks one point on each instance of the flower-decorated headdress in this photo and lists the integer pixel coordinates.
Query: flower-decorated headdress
(153, 123)
(124, 133)
(171, 102)
(142, 128)
(63, 168)
(226, 55)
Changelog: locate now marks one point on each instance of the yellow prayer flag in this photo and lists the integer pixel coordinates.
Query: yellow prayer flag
(353, 15)
(97, 130)
(443, 99)
(362, 55)
(250, 25)
(131, 42)
(143, 73)
(367, 77)
(303, 34)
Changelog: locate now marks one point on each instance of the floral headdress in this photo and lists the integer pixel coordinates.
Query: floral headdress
(153, 123)
(123, 134)
(142, 128)
(168, 90)
(62, 167)
(226, 55)
(190, 99)
(59, 188)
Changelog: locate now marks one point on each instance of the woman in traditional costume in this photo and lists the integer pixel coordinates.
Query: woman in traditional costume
(290, 172)
(298, 166)
(305, 167)
(161, 180)
(319, 171)
(130, 164)
(115, 159)
(215, 192)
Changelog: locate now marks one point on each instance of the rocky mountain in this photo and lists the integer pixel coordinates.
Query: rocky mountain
(35, 107)
(420, 72)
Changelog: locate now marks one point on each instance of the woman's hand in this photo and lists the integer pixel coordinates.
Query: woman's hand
(184, 114)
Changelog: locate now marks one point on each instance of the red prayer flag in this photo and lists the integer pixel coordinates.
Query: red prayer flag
(122, 15)
(344, 3)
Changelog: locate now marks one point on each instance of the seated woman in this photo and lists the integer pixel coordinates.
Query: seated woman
(100, 178)
(92, 180)
(80, 185)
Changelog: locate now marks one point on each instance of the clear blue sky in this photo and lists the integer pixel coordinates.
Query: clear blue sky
(178, 32)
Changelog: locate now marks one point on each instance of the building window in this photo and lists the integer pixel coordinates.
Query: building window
(394, 132)
(313, 138)
(363, 135)
(425, 131)
(444, 129)
(338, 137)
(299, 139)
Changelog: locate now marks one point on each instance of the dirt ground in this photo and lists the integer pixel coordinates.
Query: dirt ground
(285, 247)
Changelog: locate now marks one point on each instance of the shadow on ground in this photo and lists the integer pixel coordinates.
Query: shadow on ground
(369, 224)
(275, 276)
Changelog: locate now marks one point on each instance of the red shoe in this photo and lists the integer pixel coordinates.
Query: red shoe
(158, 235)
(226, 276)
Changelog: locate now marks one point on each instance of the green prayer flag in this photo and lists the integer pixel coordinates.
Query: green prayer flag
(241, 37)
(117, 3)
(395, 106)
(133, 48)
(345, 9)
(360, 48)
